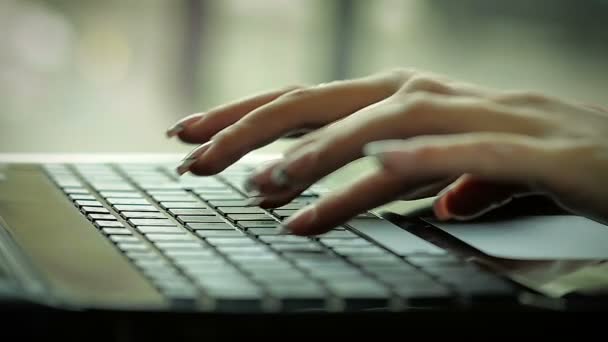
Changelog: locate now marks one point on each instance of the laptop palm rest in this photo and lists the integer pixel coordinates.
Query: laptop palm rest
(542, 237)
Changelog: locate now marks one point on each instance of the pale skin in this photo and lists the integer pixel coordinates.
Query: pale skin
(475, 148)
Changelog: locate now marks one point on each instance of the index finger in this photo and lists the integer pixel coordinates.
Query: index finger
(297, 109)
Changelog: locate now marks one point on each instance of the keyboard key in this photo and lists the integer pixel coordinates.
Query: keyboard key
(132, 201)
(240, 210)
(123, 238)
(182, 205)
(108, 224)
(100, 210)
(129, 246)
(356, 242)
(101, 217)
(126, 207)
(220, 196)
(266, 260)
(179, 245)
(116, 231)
(160, 229)
(76, 191)
(231, 241)
(179, 255)
(194, 212)
(152, 222)
(141, 254)
(88, 203)
(112, 187)
(143, 214)
(219, 233)
(209, 226)
(285, 212)
(174, 198)
(229, 203)
(168, 192)
(242, 249)
(200, 219)
(120, 194)
(268, 223)
(248, 217)
(265, 232)
(166, 186)
(82, 197)
(284, 239)
(155, 237)
(290, 247)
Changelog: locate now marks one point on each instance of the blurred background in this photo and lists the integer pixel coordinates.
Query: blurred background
(110, 76)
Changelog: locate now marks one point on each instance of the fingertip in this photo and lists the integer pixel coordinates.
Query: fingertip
(302, 222)
(182, 124)
(440, 208)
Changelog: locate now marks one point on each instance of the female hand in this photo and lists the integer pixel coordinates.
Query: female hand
(426, 131)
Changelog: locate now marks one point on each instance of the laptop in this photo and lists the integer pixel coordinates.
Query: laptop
(127, 234)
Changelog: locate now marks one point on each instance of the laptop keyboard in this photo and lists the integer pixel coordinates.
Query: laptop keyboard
(199, 243)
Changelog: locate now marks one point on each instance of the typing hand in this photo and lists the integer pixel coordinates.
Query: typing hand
(425, 130)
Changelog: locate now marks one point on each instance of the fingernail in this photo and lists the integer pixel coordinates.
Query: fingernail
(441, 209)
(279, 177)
(282, 229)
(254, 201)
(175, 129)
(250, 187)
(181, 124)
(301, 219)
(192, 157)
(185, 165)
(378, 147)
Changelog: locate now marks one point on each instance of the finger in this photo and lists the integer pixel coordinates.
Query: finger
(297, 109)
(499, 157)
(276, 200)
(426, 190)
(407, 164)
(199, 128)
(471, 197)
(343, 142)
(339, 206)
(182, 124)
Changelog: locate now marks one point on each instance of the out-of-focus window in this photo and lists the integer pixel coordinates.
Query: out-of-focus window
(111, 75)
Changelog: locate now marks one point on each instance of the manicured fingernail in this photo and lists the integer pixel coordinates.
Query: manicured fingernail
(185, 165)
(175, 129)
(301, 219)
(282, 229)
(378, 147)
(250, 187)
(254, 201)
(192, 157)
(181, 124)
(279, 177)
(440, 207)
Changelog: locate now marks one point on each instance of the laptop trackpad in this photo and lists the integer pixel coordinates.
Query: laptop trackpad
(534, 237)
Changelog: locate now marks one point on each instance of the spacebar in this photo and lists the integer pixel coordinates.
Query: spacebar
(394, 237)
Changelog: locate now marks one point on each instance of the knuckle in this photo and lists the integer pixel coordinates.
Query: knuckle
(418, 104)
(299, 93)
(524, 97)
(292, 87)
(422, 83)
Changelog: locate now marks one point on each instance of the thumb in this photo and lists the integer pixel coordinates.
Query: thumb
(470, 197)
